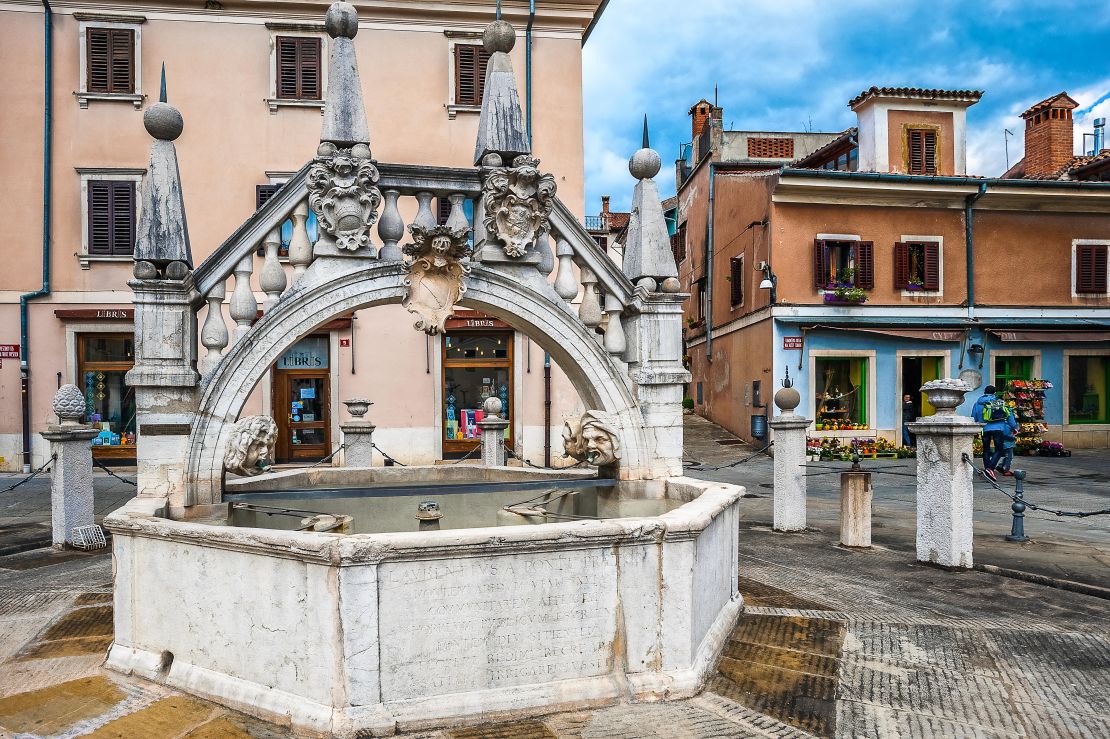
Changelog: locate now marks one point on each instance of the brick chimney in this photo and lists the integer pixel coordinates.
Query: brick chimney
(1049, 139)
(700, 114)
(604, 205)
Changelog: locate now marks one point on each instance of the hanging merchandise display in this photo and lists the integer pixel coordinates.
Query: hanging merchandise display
(1026, 399)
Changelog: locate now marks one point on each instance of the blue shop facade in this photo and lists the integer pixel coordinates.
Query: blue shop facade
(853, 369)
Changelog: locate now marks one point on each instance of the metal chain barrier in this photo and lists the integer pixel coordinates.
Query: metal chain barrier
(328, 458)
(1019, 497)
(102, 466)
(700, 467)
(31, 476)
(388, 458)
(509, 453)
(468, 455)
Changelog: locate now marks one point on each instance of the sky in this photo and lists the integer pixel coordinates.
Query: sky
(793, 65)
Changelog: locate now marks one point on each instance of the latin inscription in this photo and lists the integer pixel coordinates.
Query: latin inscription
(470, 624)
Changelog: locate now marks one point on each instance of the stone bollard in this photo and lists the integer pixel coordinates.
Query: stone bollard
(493, 433)
(358, 435)
(790, 458)
(944, 480)
(71, 478)
(855, 508)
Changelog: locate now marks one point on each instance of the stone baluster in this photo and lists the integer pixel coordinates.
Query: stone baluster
(214, 335)
(391, 228)
(546, 264)
(615, 342)
(590, 308)
(424, 216)
(272, 276)
(300, 248)
(244, 307)
(566, 284)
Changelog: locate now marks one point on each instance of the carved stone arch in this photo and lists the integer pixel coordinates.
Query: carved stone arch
(519, 296)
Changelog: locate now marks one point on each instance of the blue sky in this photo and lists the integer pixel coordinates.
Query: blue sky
(794, 64)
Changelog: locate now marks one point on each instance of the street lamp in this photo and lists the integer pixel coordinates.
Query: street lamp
(770, 281)
(975, 353)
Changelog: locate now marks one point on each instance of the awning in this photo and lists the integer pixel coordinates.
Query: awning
(1051, 336)
(920, 334)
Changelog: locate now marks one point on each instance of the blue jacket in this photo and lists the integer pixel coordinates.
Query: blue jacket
(1009, 434)
(977, 414)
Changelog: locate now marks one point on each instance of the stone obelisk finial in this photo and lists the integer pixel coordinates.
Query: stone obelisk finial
(501, 128)
(344, 114)
(162, 241)
(648, 259)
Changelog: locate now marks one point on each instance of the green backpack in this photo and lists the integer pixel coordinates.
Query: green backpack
(996, 410)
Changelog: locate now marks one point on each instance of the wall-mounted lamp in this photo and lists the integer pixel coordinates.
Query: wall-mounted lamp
(770, 281)
(975, 353)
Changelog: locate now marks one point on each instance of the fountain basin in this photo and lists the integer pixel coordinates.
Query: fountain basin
(341, 634)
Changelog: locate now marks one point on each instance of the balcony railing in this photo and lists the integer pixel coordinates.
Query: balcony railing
(594, 223)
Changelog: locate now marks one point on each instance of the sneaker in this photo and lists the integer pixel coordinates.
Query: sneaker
(1007, 473)
(991, 474)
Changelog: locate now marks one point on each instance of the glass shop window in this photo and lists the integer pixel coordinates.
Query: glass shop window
(840, 392)
(1088, 378)
(102, 362)
(476, 366)
(1008, 368)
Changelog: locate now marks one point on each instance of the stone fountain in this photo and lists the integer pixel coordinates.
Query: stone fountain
(615, 582)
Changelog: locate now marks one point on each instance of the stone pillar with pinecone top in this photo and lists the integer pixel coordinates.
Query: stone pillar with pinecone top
(71, 477)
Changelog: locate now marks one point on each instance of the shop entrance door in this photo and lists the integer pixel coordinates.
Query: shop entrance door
(916, 371)
(302, 415)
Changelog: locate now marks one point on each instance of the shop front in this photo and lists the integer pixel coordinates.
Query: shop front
(301, 382)
(102, 364)
(477, 363)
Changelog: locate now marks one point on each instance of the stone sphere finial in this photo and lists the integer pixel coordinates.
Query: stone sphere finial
(499, 36)
(69, 404)
(492, 406)
(341, 20)
(787, 399)
(163, 121)
(644, 164)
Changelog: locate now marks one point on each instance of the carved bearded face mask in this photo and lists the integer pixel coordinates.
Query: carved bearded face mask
(600, 447)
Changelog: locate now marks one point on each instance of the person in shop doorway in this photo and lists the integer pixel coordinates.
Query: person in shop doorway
(995, 414)
(909, 415)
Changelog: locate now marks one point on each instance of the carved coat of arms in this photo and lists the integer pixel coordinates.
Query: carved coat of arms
(434, 274)
(343, 194)
(518, 202)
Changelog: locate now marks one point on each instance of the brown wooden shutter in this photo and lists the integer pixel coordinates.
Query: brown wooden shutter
(262, 193)
(1090, 268)
(298, 68)
(865, 265)
(111, 215)
(736, 281)
(931, 251)
(929, 142)
(922, 157)
(678, 244)
(820, 264)
(109, 59)
(901, 265)
(471, 61)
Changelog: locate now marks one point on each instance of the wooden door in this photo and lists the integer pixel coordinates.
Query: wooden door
(303, 415)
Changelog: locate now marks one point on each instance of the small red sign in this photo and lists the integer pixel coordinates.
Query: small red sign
(9, 351)
(344, 342)
(792, 342)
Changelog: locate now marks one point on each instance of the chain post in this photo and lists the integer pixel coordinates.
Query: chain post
(1017, 529)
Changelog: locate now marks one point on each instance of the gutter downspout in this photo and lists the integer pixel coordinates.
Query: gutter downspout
(47, 226)
(969, 244)
(709, 269)
(547, 409)
(528, 67)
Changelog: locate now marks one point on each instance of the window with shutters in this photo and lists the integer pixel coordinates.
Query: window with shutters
(468, 75)
(109, 214)
(917, 265)
(1090, 267)
(299, 71)
(921, 150)
(736, 281)
(110, 59)
(678, 244)
(843, 263)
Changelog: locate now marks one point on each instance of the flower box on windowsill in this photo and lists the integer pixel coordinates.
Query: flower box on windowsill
(914, 286)
(831, 298)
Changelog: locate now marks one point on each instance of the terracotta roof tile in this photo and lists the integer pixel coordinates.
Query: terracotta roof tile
(618, 220)
(916, 92)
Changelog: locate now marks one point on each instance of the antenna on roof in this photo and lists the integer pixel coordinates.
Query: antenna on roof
(1006, 134)
(714, 95)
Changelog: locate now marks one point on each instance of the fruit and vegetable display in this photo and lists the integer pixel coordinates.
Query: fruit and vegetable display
(832, 448)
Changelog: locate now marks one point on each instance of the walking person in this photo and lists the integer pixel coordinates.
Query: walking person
(909, 415)
(993, 412)
(1009, 441)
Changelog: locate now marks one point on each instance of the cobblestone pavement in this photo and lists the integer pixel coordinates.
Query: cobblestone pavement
(1068, 549)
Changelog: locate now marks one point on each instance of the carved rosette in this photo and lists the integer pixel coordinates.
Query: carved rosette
(435, 270)
(343, 194)
(518, 202)
(594, 438)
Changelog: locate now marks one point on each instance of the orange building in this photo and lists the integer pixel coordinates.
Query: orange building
(873, 261)
(249, 79)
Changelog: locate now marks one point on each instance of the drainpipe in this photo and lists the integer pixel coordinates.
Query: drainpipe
(47, 165)
(528, 67)
(969, 243)
(709, 269)
(546, 409)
